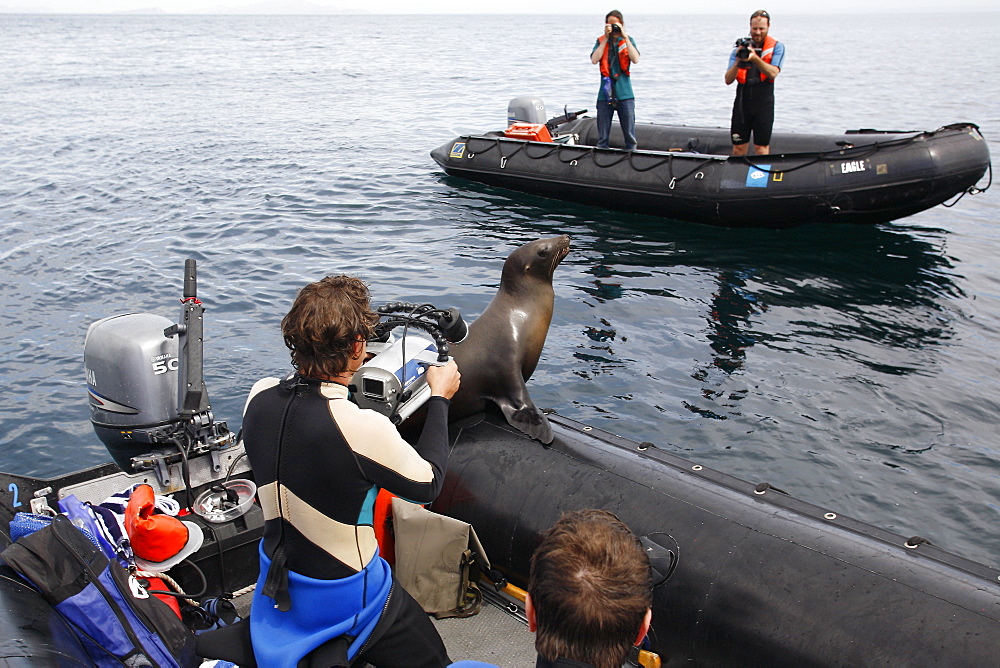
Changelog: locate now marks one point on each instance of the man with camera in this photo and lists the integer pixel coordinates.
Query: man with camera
(754, 64)
(615, 52)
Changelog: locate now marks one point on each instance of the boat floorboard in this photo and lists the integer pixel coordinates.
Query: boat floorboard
(494, 635)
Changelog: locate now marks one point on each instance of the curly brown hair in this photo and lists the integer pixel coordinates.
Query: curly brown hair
(326, 319)
(590, 586)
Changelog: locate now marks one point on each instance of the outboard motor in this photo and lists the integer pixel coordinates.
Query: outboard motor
(526, 109)
(148, 401)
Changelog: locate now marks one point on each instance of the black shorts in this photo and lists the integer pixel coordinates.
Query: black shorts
(753, 113)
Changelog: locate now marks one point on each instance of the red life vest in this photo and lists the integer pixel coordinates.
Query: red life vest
(623, 59)
(769, 42)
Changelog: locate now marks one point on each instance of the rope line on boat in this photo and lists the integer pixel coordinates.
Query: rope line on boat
(553, 149)
(973, 190)
(245, 590)
(577, 153)
(179, 591)
(505, 158)
(784, 170)
(674, 179)
(857, 151)
(828, 156)
(593, 157)
(173, 584)
(492, 143)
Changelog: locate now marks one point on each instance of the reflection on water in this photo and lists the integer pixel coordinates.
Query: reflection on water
(821, 359)
(851, 289)
(729, 320)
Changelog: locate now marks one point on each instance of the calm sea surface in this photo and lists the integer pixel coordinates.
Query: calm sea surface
(854, 367)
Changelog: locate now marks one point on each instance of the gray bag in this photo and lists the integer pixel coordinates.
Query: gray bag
(438, 560)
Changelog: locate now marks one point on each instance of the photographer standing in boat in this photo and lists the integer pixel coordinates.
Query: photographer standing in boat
(615, 52)
(754, 64)
(319, 461)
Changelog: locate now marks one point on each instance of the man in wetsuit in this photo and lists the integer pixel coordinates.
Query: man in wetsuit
(319, 460)
(755, 70)
(590, 592)
(615, 52)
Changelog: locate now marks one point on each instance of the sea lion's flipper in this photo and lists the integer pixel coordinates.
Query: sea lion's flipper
(532, 422)
(523, 414)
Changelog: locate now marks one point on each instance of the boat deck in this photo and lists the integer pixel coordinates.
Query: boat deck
(495, 635)
(498, 634)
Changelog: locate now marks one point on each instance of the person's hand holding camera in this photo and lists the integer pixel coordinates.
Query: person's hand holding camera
(744, 48)
(444, 380)
(616, 29)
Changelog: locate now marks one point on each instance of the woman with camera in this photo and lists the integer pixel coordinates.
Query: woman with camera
(615, 52)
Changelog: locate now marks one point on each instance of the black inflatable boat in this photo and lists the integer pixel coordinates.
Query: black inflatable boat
(686, 173)
(756, 577)
(752, 577)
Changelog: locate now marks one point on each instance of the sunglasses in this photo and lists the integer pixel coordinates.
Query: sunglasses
(761, 13)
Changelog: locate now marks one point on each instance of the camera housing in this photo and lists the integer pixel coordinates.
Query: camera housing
(394, 381)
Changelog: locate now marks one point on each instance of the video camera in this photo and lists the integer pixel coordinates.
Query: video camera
(394, 381)
(743, 46)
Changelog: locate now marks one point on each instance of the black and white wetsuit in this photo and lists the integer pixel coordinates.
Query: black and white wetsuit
(319, 461)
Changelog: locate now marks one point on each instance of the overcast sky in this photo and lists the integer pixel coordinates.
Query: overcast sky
(629, 7)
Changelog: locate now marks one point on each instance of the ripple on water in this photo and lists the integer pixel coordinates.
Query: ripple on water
(850, 366)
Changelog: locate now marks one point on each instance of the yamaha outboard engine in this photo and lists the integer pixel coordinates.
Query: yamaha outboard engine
(526, 109)
(148, 401)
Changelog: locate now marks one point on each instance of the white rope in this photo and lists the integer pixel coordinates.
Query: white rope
(245, 590)
(170, 582)
(177, 588)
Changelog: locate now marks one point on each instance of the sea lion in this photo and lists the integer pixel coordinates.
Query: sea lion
(505, 342)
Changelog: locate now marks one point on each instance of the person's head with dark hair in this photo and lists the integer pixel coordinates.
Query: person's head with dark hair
(328, 325)
(590, 590)
(760, 13)
(617, 14)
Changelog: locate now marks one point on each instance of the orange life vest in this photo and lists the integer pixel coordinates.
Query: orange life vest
(623, 60)
(769, 42)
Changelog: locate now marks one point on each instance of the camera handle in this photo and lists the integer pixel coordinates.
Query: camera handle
(444, 325)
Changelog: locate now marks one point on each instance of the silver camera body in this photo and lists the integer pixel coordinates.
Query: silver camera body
(394, 382)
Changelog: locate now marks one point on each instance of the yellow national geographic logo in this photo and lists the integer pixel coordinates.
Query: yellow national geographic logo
(457, 150)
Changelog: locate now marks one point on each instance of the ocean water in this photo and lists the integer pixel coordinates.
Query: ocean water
(854, 367)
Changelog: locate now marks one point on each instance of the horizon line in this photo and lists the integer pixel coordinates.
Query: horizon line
(155, 11)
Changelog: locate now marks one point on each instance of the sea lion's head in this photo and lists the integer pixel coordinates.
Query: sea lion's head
(534, 263)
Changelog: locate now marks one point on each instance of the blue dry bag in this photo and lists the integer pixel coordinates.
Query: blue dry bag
(115, 619)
